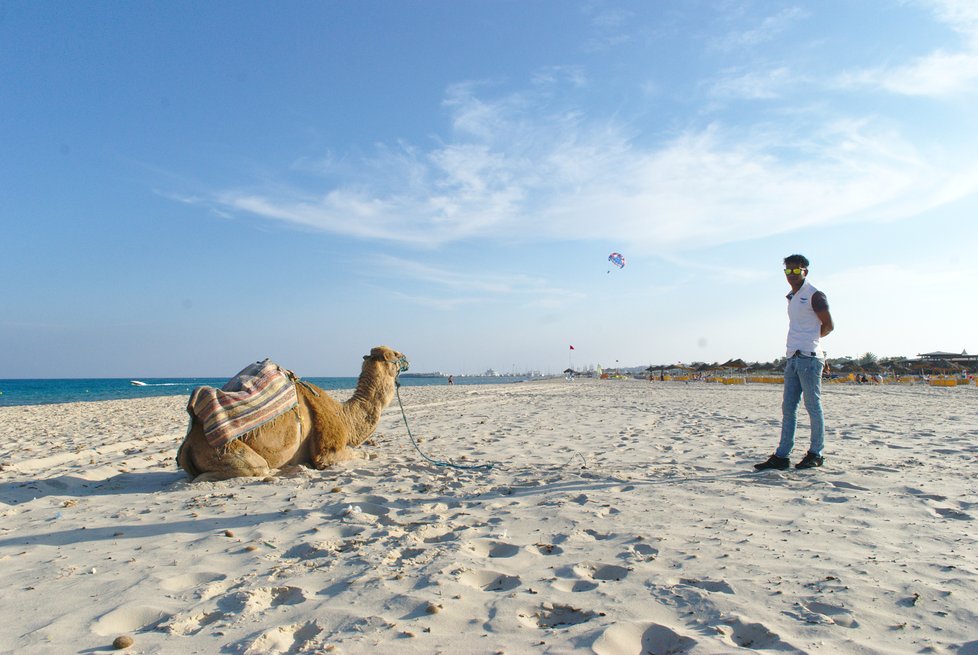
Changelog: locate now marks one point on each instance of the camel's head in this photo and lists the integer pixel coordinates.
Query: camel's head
(383, 355)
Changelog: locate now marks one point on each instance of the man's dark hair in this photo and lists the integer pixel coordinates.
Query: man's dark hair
(796, 260)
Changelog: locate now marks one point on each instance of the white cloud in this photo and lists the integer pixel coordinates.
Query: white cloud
(960, 15)
(937, 74)
(469, 288)
(943, 72)
(754, 85)
(518, 171)
(533, 166)
(610, 28)
(769, 28)
(707, 187)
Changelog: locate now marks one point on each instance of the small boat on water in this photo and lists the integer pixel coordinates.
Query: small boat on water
(137, 383)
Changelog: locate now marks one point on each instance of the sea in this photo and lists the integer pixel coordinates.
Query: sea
(52, 391)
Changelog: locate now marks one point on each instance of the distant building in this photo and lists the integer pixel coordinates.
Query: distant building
(940, 355)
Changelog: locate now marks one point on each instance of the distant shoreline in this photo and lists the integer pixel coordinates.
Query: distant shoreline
(16, 393)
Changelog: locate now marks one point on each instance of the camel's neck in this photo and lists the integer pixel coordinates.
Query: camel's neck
(362, 411)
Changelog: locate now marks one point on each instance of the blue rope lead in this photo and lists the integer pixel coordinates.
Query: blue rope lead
(476, 467)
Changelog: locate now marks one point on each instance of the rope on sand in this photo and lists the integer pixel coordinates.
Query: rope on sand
(474, 467)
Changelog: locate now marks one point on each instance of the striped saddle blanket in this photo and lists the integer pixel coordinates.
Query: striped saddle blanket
(254, 396)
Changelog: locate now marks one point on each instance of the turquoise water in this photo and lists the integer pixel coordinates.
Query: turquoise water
(44, 392)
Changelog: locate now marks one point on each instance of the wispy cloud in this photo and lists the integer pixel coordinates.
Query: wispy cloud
(960, 15)
(534, 166)
(609, 28)
(942, 72)
(520, 170)
(754, 84)
(464, 288)
(769, 28)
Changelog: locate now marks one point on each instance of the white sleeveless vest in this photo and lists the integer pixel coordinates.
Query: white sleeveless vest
(804, 327)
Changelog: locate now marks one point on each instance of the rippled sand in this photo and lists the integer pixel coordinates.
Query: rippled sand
(619, 517)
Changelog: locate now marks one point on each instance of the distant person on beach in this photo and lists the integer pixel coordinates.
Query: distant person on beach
(451, 380)
(808, 321)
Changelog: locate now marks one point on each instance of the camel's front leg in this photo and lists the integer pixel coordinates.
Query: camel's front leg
(236, 460)
(328, 448)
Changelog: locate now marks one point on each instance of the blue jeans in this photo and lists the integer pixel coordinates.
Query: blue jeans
(802, 374)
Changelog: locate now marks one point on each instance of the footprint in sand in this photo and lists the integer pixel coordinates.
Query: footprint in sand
(642, 638)
(255, 601)
(551, 615)
(840, 484)
(191, 624)
(587, 576)
(818, 612)
(307, 551)
(943, 512)
(755, 636)
(489, 580)
(363, 510)
(575, 586)
(919, 493)
(547, 549)
(402, 556)
(295, 638)
(492, 548)
(129, 618)
(190, 580)
(597, 536)
(603, 572)
(440, 537)
(640, 552)
(378, 503)
(948, 513)
(714, 586)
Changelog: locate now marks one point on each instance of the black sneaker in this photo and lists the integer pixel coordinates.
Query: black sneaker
(810, 461)
(774, 462)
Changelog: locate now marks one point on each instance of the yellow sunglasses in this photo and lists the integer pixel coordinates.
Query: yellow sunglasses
(796, 271)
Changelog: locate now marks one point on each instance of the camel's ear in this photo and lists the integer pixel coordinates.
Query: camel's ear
(365, 357)
(380, 353)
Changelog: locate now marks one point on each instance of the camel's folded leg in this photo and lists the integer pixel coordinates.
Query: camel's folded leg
(324, 458)
(328, 438)
(328, 449)
(236, 460)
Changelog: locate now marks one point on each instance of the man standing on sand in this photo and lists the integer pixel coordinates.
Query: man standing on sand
(808, 321)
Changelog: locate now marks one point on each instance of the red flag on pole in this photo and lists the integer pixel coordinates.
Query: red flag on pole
(572, 347)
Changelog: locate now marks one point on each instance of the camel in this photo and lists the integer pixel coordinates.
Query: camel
(319, 431)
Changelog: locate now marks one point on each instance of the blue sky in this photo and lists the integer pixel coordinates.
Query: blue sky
(188, 187)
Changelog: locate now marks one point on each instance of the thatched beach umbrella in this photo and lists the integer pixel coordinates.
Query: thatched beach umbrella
(945, 366)
(941, 366)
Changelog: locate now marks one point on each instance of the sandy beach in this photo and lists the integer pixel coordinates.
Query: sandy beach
(620, 517)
